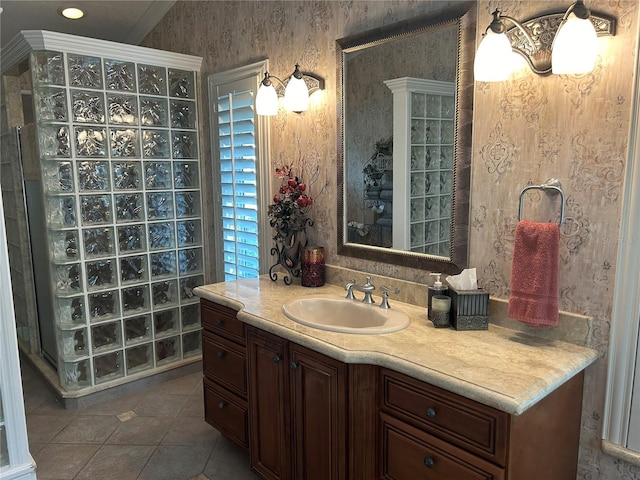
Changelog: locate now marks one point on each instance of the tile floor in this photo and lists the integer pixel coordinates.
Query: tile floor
(154, 434)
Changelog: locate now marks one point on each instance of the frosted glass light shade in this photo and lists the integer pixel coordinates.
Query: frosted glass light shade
(267, 100)
(296, 95)
(575, 48)
(493, 62)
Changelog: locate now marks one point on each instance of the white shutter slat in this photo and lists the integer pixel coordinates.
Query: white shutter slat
(238, 175)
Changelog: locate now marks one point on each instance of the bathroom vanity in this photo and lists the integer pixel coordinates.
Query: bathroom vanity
(418, 403)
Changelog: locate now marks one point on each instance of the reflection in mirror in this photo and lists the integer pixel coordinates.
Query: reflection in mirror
(405, 134)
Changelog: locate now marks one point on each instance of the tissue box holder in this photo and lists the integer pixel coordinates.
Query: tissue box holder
(469, 309)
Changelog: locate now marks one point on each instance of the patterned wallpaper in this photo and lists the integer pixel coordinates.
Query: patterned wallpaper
(526, 130)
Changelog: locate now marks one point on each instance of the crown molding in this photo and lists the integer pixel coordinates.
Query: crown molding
(30, 40)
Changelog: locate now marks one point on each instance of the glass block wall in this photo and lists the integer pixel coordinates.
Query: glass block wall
(432, 138)
(118, 148)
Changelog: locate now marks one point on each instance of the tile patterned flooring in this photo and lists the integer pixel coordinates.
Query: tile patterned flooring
(158, 433)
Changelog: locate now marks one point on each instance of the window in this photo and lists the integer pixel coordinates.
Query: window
(239, 146)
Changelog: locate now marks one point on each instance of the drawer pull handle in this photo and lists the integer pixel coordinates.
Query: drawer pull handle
(276, 358)
(222, 404)
(220, 354)
(428, 462)
(430, 412)
(218, 323)
(294, 365)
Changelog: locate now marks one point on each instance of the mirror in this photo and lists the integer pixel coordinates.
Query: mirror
(403, 170)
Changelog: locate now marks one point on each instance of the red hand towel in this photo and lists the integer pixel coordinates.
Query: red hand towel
(534, 274)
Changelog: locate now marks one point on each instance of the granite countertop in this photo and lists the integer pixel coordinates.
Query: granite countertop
(499, 367)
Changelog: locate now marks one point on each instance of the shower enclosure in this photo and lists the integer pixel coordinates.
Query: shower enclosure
(101, 169)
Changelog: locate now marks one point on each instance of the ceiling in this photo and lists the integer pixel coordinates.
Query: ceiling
(121, 21)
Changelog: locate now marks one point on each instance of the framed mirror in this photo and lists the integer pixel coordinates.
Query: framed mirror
(405, 98)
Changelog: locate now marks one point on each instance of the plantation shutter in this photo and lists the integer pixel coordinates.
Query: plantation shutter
(239, 181)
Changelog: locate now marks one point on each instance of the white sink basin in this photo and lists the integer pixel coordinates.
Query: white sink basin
(329, 312)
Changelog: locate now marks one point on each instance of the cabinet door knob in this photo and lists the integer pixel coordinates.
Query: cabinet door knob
(222, 404)
(220, 354)
(294, 365)
(430, 412)
(428, 462)
(276, 358)
(218, 323)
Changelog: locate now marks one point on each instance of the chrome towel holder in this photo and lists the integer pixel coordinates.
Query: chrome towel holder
(552, 187)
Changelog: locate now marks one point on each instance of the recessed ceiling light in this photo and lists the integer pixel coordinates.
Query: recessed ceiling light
(72, 13)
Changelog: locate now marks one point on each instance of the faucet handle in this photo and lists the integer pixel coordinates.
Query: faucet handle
(349, 288)
(385, 296)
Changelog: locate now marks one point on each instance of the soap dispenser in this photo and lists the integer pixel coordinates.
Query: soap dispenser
(436, 289)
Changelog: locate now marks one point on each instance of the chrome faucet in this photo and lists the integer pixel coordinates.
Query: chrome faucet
(385, 296)
(349, 288)
(367, 289)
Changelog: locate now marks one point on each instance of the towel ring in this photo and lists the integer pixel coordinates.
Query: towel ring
(551, 187)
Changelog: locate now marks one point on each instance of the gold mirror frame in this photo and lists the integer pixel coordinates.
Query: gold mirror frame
(463, 16)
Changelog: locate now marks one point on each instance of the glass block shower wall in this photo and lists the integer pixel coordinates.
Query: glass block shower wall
(118, 148)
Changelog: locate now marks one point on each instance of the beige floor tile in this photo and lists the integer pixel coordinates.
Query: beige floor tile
(194, 407)
(141, 431)
(160, 404)
(52, 406)
(185, 385)
(228, 462)
(115, 406)
(165, 438)
(116, 462)
(87, 429)
(42, 403)
(57, 462)
(35, 447)
(190, 431)
(43, 428)
(176, 462)
(200, 476)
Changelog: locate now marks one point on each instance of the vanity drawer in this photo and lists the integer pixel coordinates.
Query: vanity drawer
(224, 362)
(222, 320)
(226, 413)
(470, 425)
(410, 454)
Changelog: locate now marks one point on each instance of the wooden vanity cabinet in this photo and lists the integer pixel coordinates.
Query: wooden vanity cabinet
(298, 407)
(430, 433)
(306, 416)
(224, 368)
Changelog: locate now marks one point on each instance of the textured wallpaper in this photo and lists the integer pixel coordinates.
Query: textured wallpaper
(526, 130)
(575, 129)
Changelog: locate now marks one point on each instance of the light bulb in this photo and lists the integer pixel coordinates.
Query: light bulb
(267, 100)
(494, 58)
(575, 47)
(296, 95)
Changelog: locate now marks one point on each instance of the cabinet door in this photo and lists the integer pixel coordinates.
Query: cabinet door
(268, 405)
(318, 386)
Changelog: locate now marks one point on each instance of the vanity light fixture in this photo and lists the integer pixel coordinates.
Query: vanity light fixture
(561, 43)
(72, 13)
(297, 88)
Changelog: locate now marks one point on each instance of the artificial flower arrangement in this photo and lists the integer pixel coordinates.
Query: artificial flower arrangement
(291, 205)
